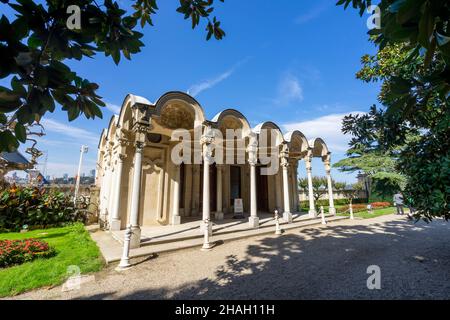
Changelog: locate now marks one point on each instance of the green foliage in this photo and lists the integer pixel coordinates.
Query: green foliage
(14, 252)
(73, 246)
(379, 167)
(422, 24)
(413, 125)
(35, 207)
(319, 185)
(36, 43)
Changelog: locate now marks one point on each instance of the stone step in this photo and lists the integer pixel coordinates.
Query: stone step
(267, 225)
(196, 242)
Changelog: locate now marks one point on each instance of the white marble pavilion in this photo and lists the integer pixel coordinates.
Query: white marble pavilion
(141, 185)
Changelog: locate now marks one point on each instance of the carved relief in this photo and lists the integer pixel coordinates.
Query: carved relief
(177, 116)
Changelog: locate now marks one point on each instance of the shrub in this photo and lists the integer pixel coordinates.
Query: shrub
(36, 208)
(14, 252)
(356, 208)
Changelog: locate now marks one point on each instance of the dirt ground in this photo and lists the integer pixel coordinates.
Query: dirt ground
(320, 262)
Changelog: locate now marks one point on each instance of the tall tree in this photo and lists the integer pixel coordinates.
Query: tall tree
(413, 65)
(36, 43)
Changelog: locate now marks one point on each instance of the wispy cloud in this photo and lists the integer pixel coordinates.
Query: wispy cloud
(196, 89)
(80, 135)
(114, 108)
(312, 14)
(326, 127)
(289, 90)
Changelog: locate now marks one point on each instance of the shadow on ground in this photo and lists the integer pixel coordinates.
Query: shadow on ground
(329, 263)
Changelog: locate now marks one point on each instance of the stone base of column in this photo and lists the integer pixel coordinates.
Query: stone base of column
(253, 222)
(332, 211)
(202, 228)
(115, 225)
(135, 241)
(312, 213)
(287, 216)
(176, 220)
(218, 215)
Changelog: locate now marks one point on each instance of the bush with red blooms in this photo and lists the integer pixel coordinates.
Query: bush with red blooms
(380, 204)
(363, 207)
(14, 252)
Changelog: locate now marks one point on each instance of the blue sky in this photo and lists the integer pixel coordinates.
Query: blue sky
(291, 62)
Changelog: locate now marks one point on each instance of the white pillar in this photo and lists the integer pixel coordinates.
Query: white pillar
(332, 209)
(253, 220)
(115, 216)
(207, 141)
(134, 217)
(206, 209)
(252, 150)
(312, 210)
(83, 150)
(106, 188)
(176, 219)
(287, 215)
(219, 210)
(295, 185)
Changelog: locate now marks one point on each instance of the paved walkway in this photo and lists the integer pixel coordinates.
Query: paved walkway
(320, 262)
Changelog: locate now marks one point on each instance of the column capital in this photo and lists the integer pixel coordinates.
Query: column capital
(252, 157)
(252, 161)
(123, 142)
(284, 163)
(139, 146)
(122, 157)
(207, 137)
(252, 149)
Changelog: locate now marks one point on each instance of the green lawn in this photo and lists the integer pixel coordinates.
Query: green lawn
(73, 245)
(376, 213)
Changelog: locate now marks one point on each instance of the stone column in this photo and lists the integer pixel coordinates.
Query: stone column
(219, 210)
(327, 163)
(252, 150)
(176, 219)
(207, 142)
(287, 215)
(115, 219)
(134, 216)
(312, 209)
(295, 185)
(253, 219)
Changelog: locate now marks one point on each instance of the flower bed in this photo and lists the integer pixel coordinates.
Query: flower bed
(14, 252)
(363, 207)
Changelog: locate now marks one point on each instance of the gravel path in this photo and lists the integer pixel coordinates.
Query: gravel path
(313, 263)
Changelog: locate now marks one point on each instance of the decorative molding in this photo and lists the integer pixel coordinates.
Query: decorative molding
(152, 165)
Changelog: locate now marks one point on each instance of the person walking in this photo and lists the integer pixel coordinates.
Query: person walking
(409, 204)
(398, 202)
